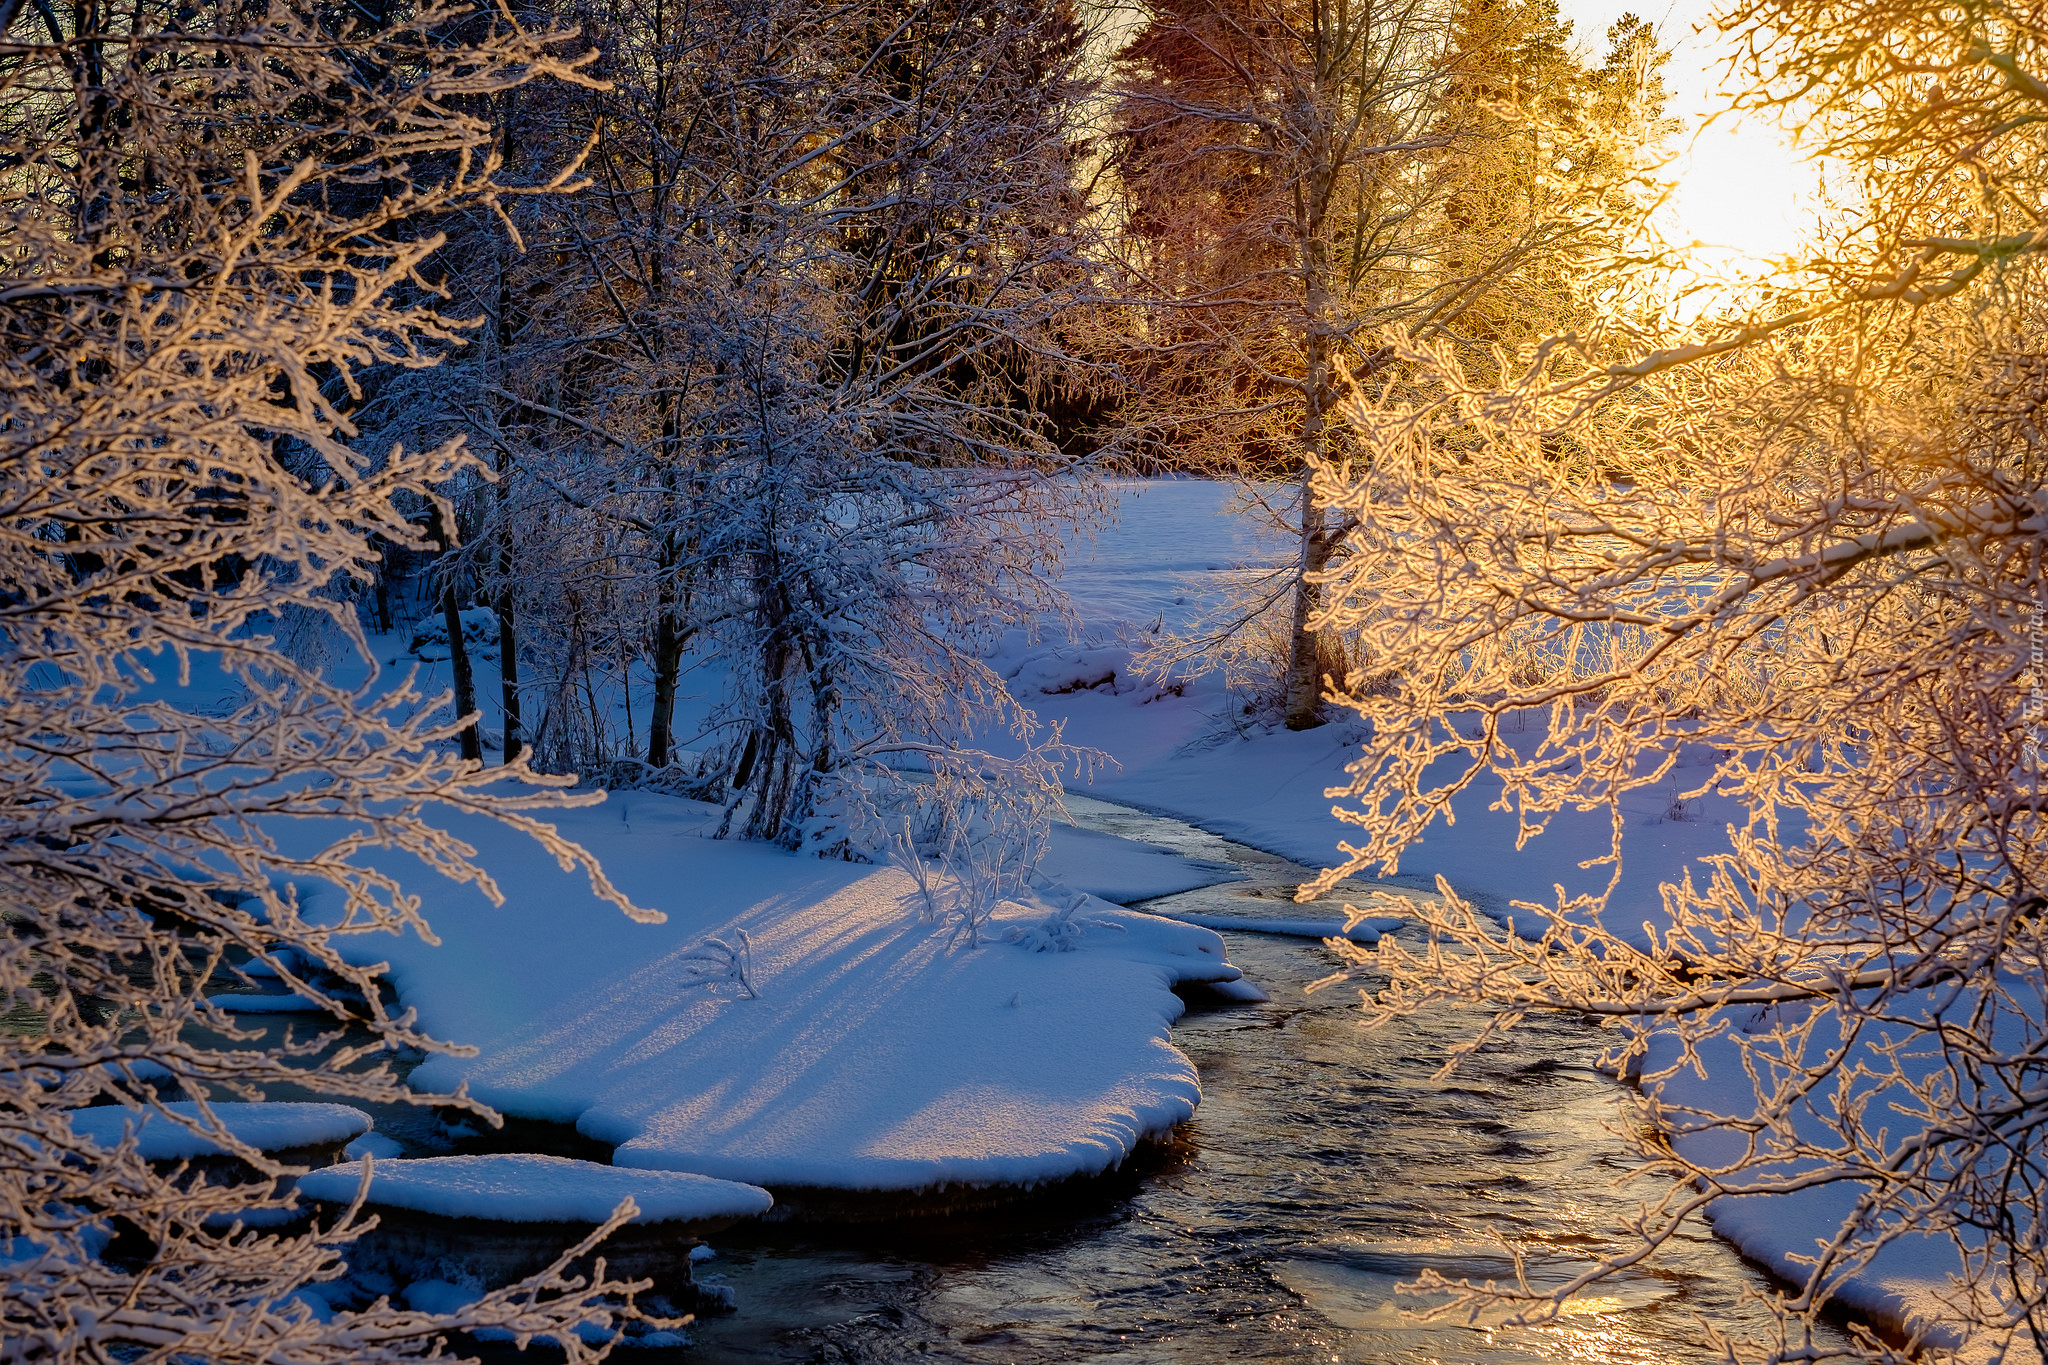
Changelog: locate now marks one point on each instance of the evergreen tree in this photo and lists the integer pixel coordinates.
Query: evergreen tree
(1299, 176)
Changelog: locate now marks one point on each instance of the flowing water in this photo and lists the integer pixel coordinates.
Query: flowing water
(1326, 1166)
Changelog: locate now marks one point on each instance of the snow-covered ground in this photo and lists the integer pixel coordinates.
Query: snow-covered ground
(864, 1049)
(873, 1052)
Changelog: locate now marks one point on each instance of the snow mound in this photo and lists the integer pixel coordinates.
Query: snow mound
(877, 1055)
(1060, 671)
(268, 1127)
(527, 1188)
(372, 1144)
(1365, 931)
(479, 632)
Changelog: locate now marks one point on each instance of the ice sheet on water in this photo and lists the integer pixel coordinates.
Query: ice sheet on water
(266, 1126)
(1123, 870)
(531, 1188)
(1365, 931)
(249, 1003)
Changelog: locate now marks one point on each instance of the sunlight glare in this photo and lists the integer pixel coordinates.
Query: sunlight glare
(1742, 195)
(1745, 195)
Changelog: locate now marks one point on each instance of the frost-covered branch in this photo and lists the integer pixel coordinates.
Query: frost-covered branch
(1795, 570)
(219, 225)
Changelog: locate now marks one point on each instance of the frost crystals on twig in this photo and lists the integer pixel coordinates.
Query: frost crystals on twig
(716, 961)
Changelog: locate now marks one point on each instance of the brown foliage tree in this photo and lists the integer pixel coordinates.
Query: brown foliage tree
(1299, 175)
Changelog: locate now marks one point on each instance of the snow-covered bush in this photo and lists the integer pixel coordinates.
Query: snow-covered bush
(1061, 931)
(479, 631)
(718, 962)
(1810, 540)
(971, 833)
(216, 223)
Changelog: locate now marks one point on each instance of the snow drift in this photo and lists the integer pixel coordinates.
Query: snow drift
(874, 1057)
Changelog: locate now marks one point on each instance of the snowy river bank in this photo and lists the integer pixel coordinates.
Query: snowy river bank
(1324, 1166)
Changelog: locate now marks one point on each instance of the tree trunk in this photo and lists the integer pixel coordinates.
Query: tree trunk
(465, 684)
(383, 586)
(668, 664)
(774, 771)
(1304, 693)
(508, 639)
(458, 650)
(508, 666)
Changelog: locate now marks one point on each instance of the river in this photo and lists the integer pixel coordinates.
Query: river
(1326, 1165)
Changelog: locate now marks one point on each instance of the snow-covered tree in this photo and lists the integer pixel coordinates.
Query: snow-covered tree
(218, 220)
(1792, 559)
(888, 502)
(779, 405)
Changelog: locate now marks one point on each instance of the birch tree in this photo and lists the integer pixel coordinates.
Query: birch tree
(217, 221)
(1799, 547)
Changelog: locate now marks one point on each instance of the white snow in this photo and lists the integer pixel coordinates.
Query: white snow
(372, 1144)
(526, 1188)
(1172, 544)
(876, 1056)
(439, 1296)
(268, 1127)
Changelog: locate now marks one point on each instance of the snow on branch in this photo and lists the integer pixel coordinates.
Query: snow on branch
(219, 223)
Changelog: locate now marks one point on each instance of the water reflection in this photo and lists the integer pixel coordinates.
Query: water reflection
(1325, 1167)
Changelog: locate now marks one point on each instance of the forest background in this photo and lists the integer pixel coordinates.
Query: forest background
(782, 345)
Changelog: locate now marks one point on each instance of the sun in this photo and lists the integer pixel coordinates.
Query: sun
(1745, 196)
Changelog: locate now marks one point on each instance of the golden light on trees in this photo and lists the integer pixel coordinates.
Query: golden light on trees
(1797, 535)
(1740, 192)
